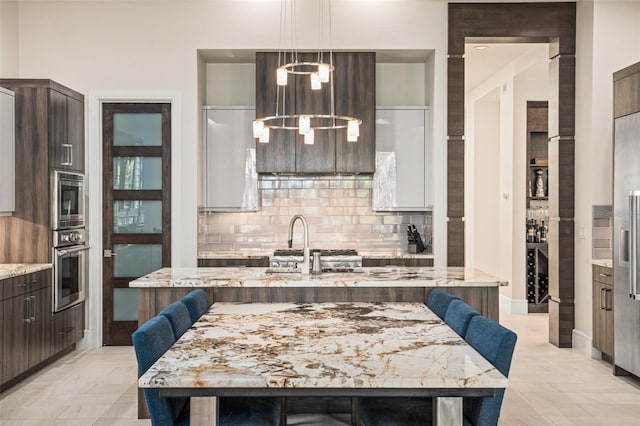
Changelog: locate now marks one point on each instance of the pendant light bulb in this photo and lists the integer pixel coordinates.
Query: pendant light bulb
(264, 137)
(304, 125)
(308, 137)
(281, 76)
(353, 131)
(323, 72)
(258, 128)
(315, 81)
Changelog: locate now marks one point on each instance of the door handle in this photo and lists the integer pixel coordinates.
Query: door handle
(109, 253)
(33, 311)
(67, 154)
(27, 309)
(634, 241)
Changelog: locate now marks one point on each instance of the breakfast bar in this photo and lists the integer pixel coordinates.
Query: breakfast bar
(347, 349)
(369, 284)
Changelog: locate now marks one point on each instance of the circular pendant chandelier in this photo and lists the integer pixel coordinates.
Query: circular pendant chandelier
(318, 71)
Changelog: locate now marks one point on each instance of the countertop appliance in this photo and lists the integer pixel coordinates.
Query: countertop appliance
(626, 244)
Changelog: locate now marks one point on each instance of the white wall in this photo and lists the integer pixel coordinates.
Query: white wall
(8, 39)
(133, 49)
(608, 35)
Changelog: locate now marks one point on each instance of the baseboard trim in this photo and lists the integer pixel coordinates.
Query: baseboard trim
(513, 306)
(582, 343)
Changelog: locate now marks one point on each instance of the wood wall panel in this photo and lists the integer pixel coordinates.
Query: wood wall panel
(455, 242)
(455, 96)
(455, 178)
(513, 22)
(561, 329)
(553, 23)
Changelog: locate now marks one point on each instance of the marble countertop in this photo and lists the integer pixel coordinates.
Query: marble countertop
(341, 347)
(607, 263)
(9, 270)
(396, 276)
(263, 254)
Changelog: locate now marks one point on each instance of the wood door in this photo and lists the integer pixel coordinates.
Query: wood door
(14, 336)
(75, 133)
(136, 208)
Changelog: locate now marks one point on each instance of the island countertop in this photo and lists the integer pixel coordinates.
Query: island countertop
(244, 277)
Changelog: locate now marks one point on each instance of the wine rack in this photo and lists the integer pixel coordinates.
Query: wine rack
(537, 277)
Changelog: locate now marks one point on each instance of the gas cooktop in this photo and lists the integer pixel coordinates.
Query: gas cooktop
(323, 252)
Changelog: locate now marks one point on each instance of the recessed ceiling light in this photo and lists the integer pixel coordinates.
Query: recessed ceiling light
(481, 47)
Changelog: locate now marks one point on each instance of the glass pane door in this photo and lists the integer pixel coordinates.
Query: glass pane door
(136, 208)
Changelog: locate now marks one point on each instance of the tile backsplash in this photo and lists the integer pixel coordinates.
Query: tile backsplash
(601, 237)
(337, 209)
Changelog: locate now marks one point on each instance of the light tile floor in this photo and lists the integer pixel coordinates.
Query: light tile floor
(547, 386)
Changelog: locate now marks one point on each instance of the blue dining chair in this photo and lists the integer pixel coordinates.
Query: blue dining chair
(494, 342)
(150, 341)
(438, 301)
(459, 316)
(178, 316)
(197, 303)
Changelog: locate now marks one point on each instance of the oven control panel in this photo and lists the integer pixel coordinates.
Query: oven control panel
(69, 237)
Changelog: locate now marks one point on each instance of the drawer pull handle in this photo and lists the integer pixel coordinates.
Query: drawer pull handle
(604, 275)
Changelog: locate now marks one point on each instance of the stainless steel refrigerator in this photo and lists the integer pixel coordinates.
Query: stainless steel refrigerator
(626, 244)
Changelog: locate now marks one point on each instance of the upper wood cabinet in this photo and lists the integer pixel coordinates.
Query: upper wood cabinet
(354, 92)
(8, 150)
(66, 132)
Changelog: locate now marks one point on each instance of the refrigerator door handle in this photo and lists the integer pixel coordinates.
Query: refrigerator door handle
(623, 244)
(634, 240)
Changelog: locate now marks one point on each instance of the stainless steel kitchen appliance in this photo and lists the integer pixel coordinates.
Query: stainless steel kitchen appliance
(626, 244)
(69, 268)
(67, 200)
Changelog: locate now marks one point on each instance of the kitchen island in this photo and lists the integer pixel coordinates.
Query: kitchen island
(386, 284)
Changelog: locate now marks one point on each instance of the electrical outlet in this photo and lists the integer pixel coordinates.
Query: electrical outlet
(582, 233)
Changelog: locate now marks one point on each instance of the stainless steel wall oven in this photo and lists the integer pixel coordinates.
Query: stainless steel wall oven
(69, 268)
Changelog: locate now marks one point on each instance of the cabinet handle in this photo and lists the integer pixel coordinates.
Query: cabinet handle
(21, 285)
(603, 299)
(67, 154)
(27, 310)
(604, 275)
(33, 311)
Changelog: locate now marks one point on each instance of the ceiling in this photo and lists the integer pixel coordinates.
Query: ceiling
(482, 64)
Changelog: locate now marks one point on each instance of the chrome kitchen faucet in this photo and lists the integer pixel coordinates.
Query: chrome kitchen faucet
(305, 263)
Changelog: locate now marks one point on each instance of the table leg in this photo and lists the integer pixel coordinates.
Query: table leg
(447, 411)
(203, 411)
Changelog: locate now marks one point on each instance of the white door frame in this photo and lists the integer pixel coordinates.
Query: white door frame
(93, 182)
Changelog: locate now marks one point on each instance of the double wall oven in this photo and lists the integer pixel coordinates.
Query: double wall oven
(69, 252)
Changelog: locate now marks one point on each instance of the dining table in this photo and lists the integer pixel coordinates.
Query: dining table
(344, 349)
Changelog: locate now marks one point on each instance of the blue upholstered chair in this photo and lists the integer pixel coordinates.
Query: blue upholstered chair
(438, 301)
(459, 316)
(178, 316)
(153, 339)
(150, 341)
(197, 303)
(494, 342)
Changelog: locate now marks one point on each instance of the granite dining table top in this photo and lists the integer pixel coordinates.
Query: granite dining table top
(397, 276)
(364, 348)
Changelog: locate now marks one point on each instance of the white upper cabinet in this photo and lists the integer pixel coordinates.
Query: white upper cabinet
(7, 151)
(403, 177)
(230, 181)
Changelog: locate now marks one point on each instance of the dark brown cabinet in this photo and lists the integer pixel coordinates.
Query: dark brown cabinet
(26, 319)
(66, 130)
(354, 94)
(602, 302)
(31, 337)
